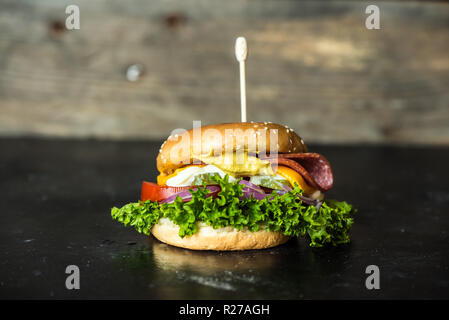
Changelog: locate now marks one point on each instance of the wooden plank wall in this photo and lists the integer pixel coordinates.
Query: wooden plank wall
(312, 66)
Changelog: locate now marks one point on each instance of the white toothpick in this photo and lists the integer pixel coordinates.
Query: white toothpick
(241, 52)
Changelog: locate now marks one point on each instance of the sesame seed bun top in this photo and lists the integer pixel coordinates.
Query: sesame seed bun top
(252, 137)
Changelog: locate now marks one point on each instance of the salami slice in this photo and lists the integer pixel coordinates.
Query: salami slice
(313, 167)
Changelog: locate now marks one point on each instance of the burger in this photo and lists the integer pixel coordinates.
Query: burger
(238, 186)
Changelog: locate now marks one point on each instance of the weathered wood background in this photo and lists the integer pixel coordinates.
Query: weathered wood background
(312, 65)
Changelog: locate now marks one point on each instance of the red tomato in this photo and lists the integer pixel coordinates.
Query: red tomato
(154, 192)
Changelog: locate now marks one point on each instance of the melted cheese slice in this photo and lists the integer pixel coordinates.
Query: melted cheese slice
(185, 176)
(294, 177)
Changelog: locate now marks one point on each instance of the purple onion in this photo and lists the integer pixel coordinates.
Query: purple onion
(257, 192)
(251, 187)
(249, 190)
(311, 202)
(257, 195)
(281, 192)
(187, 196)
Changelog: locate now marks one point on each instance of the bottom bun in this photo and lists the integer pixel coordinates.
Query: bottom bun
(221, 239)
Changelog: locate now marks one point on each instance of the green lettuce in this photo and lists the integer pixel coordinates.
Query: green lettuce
(271, 182)
(328, 225)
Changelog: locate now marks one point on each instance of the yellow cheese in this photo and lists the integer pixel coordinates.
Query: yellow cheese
(294, 177)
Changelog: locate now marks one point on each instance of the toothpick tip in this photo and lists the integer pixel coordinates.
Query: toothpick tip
(241, 49)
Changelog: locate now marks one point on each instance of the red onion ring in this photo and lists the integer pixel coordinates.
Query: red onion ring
(187, 196)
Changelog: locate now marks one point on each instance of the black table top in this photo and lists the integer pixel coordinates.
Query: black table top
(55, 205)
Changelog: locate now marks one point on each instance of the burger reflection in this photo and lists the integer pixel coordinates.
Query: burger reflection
(172, 258)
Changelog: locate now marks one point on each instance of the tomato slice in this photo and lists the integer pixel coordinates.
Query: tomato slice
(154, 192)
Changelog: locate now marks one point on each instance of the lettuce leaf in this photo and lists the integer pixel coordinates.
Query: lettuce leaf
(204, 178)
(330, 225)
(271, 182)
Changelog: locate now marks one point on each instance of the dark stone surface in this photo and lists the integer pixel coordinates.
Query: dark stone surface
(55, 205)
